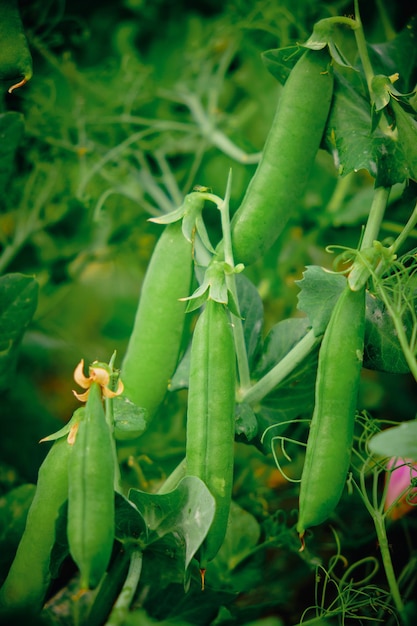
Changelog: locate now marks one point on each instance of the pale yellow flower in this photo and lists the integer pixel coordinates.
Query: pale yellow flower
(98, 374)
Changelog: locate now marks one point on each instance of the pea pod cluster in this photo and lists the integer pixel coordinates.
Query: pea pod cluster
(210, 416)
(90, 525)
(282, 175)
(29, 576)
(330, 439)
(155, 342)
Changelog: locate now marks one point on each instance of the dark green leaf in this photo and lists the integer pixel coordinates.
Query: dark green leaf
(186, 512)
(18, 300)
(382, 349)
(400, 441)
(129, 524)
(279, 341)
(353, 143)
(246, 425)
(407, 137)
(398, 55)
(319, 291)
(11, 131)
(279, 62)
(252, 312)
(14, 507)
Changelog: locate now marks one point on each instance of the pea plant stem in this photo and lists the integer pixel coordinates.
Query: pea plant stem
(362, 49)
(237, 326)
(406, 231)
(121, 607)
(281, 370)
(379, 522)
(378, 517)
(376, 215)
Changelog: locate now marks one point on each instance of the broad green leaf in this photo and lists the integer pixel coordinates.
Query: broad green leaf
(295, 395)
(130, 525)
(398, 55)
(186, 512)
(399, 441)
(14, 507)
(243, 534)
(279, 341)
(11, 132)
(319, 291)
(18, 300)
(246, 425)
(252, 312)
(382, 349)
(407, 136)
(349, 137)
(279, 62)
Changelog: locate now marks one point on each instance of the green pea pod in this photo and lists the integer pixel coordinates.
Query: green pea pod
(29, 577)
(15, 57)
(330, 439)
(154, 346)
(282, 174)
(91, 506)
(210, 416)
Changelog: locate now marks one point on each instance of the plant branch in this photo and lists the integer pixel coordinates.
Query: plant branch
(282, 369)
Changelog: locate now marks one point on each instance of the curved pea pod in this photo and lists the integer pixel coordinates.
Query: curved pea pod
(29, 577)
(15, 57)
(210, 417)
(282, 174)
(91, 507)
(154, 346)
(330, 439)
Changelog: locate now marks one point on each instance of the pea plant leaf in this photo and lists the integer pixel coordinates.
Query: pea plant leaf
(382, 349)
(319, 291)
(294, 396)
(399, 441)
(398, 55)
(352, 137)
(18, 301)
(14, 507)
(252, 312)
(186, 514)
(11, 132)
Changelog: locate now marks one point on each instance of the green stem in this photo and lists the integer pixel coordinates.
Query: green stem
(360, 272)
(376, 215)
(282, 369)
(406, 231)
(379, 521)
(216, 136)
(238, 333)
(174, 478)
(362, 48)
(340, 192)
(123, 602)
